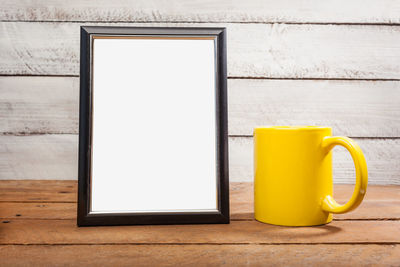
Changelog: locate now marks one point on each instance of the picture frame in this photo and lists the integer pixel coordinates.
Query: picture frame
(153, 127)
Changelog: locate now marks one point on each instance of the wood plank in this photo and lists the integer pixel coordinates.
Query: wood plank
(204, 255)
(45, 210)
(369, 210)
(351, 108)
(48, 157)
(36, 105)
(39, 157)
(63, 232)
(38, 191)
(37, 201)
(254, 50)
(381, 156)
(380, 202)
(243, 192)
(331, 11)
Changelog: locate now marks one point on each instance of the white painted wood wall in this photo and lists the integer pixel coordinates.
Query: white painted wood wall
(333, 62)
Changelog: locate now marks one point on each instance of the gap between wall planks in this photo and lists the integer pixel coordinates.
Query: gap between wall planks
(250, 11)
(254, 50)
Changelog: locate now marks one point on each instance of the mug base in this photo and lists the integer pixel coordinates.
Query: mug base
(294, 224)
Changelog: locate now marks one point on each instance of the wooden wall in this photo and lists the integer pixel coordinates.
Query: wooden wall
(314, 62)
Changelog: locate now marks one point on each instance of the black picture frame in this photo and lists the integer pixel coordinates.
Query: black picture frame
(85, 218)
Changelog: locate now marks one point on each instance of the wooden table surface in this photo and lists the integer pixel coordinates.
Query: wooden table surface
(38, 228)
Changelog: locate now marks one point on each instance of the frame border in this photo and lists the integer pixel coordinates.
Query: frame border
(85, 122)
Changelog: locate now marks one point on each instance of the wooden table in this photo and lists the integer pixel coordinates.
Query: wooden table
(38, 228)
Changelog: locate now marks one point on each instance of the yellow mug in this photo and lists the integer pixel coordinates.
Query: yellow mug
(293, 175)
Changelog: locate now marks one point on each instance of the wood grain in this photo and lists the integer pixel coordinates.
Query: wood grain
(204, 255)
(351, 108)
(38, 191)
(65, 191)
(254, 50)
(44, 210)
(52, 242)
(372, 11)
(382, 209)
(38, 232)
(36, 105)
(48, 157)
(242, 192)
(57, 200)
(39, 226)
(39, 157)
(49, 105)
(380, 202)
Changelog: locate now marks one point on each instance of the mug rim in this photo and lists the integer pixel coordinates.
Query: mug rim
(293, 128)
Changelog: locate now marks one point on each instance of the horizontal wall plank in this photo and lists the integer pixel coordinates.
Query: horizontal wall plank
(380, 203)
(381, 156)
(342, 11)
(351, 108)
(204, 255)
(39, 105)
(254, 50)
(237, 232)
(55, 157)
(39, 157)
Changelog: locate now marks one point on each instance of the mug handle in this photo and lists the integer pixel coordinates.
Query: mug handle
(329, 204)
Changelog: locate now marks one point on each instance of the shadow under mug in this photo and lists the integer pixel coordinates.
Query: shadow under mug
(293, 183)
